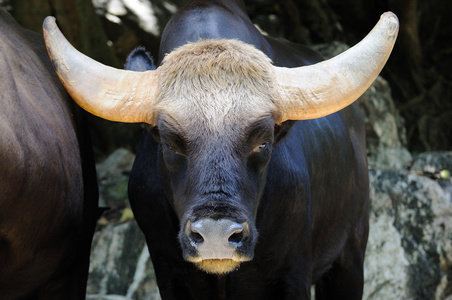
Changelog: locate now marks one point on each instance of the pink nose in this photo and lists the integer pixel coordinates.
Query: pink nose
(216, 239)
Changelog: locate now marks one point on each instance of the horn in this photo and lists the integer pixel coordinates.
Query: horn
(109, 93)
(318, 90)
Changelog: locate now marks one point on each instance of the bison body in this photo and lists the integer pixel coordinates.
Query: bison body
(309, 207)
(250, 180)
(48, 199)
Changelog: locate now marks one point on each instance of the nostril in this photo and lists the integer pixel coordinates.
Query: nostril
(216, 234)
(236, 238)
(196, 238)
(192, 231)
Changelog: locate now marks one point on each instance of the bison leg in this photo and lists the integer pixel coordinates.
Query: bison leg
(345, 279)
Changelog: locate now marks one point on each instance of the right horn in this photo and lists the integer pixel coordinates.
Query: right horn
(324, 88)
(113, 94)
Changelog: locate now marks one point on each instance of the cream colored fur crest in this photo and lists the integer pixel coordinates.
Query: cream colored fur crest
(221, 82)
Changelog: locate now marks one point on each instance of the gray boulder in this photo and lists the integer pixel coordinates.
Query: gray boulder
(432, 162)
(436, 165)
(120, 265)
(113, 176)
(385, 131)
(409, 251)
(385, 134)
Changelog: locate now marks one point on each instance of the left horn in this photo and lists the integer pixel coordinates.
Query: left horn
(324, 88)
(109, 93)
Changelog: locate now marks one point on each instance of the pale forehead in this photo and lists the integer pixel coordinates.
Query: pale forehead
(217, 113)
(216, 84)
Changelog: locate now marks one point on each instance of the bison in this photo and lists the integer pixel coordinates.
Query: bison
(250, 180)
(48, 189)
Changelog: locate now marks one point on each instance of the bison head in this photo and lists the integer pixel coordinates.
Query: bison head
(215, 107)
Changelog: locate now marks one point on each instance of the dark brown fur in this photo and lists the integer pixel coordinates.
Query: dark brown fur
(43, 254)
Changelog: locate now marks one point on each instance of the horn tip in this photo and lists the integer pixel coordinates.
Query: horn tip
(392, 22)
(49, 23)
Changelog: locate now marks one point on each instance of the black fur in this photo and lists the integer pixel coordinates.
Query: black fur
(304, 193)
(48, 198)
(139, 60)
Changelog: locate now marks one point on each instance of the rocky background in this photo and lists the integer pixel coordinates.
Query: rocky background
(408, 123)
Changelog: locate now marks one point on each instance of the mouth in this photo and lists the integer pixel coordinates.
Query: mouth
(218, 266)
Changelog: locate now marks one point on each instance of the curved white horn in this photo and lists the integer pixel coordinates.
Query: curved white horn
(112, 94)
(319, 90)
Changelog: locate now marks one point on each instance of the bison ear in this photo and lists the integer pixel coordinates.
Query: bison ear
(139, 60)
(282, 129)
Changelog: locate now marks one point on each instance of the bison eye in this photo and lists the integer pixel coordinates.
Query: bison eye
(173, 159)
(170, 148)
(261, 148)
(259, 156)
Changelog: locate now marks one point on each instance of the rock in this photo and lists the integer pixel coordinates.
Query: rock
(385, 132)
(432, 162)
(437, 165)
(113, 176)
(120, 266)
(118, 162)
(409, 250)
(385, 262)
(329, 50)
(6, 4)
(106, 297)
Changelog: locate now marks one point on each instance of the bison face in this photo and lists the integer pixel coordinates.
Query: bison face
(214, 180)
(214, 175)
(215, 125)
